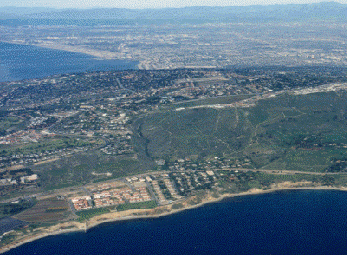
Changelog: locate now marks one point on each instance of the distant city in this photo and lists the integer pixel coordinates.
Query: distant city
(195, 37)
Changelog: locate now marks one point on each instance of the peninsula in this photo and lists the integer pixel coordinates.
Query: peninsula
(82, 149)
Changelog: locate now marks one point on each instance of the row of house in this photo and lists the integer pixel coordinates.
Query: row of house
(171, 188)
(158, 191)
(140, 196)
(121, 196)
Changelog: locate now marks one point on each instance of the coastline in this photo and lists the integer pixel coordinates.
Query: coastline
(92, 60)
(105, 55)
(128, 215)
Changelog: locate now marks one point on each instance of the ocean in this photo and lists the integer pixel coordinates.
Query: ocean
(288, 222)
(19, 62)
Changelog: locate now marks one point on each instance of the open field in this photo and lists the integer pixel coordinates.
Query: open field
(9, 209)
(315, 161)
(141, 205)
(303, 132)
(10, 124)
(197, 131)
(78, 169)
(49, 210)
(45, 145)
(87, 214)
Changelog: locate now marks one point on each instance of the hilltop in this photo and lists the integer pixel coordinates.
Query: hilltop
(197, 14)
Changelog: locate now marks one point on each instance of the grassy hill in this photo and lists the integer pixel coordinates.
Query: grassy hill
(304, 132)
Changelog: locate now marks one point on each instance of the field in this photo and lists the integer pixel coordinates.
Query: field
(44, 145)
(87, 214)
(192, 132)
(302, 160)
(304, 132)
(78, 169)
(10, 124)
(49, 210)
(8, 224)
(260, 180)
(9, 209)
(141, 205)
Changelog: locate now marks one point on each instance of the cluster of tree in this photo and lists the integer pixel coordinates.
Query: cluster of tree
(337, 165)
(15, 208)
(304, 141)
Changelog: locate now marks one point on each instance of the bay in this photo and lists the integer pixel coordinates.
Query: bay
(19, 62)
(290, 222)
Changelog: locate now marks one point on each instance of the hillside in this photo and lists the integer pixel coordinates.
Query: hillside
(201, 14)
(289, 132)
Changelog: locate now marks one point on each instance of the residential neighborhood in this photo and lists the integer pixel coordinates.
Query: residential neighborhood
(163, 188)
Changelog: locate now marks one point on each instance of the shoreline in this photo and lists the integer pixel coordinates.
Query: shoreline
(100, 219)
(105, 55)
(119, 63)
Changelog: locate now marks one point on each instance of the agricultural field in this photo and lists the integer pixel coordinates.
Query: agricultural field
(49, 210)
(8, 223)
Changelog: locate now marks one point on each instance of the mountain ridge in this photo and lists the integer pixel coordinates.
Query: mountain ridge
(253, 13)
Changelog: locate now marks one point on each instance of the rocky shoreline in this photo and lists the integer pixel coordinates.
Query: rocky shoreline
(69, 227)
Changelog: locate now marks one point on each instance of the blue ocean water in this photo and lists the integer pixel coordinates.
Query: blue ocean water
(294, 222)
(18, 62)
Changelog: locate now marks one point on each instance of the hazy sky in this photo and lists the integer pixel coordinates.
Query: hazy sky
(147, 3)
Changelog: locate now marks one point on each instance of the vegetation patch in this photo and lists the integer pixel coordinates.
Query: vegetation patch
(287, 132)
(87, 214)
(10, 209)
(141, 205)
(177, 206)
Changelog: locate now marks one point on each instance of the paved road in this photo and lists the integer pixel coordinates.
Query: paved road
(273, 171)
(64, 191)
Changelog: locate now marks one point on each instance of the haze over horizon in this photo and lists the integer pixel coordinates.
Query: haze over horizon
(137, 4)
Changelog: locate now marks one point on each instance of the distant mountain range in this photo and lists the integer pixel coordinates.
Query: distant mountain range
(257, 13)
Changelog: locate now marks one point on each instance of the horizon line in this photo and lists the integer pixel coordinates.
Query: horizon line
(158, 8)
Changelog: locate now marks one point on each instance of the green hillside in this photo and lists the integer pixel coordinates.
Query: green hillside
(305, 132)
